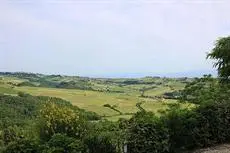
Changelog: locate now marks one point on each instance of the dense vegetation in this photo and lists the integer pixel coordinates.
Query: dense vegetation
(44, 124)
(221, 53)
(41, 124)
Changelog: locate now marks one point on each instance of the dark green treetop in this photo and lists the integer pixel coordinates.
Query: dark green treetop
(221, 53)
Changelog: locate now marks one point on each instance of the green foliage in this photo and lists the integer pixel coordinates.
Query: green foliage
(100, 143)
(46, 83)
(221, 53)
(113, 108)
(60, 143)
(105, 137)
(26, 83)
(107, 105)
(83, 84)
(21, 118)
(87, 115)
(17, 110)
(147, 133)
(22, 94)
(139, 106)
(214, 123)
(8, 135)
(181, 125)
(19, 74)
(178, 129)
(204, 90)
(20, 110)
(204, 126)
(22, 146)
(172, 95)
(56, 119)
(7, 90)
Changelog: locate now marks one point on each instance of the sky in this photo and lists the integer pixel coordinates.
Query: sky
(111, 38)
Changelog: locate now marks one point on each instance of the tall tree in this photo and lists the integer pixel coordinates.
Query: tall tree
(221, 53)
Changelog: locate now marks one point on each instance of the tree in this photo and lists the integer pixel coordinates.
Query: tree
(56, 119)
(201, 90)
(221, 53)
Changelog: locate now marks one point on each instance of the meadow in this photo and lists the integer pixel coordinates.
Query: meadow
(121, 94)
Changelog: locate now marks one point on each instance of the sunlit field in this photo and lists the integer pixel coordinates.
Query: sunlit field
(124, 101)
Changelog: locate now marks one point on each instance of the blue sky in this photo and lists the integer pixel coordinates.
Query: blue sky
(111, 37)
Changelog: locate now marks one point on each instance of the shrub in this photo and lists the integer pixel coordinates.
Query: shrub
(100, 144)
(147, 133)
(8, 135)
(56, 119)
(107, 105)
(214, 123)
(113, 108)
(180, 129)
(181, 125)
(60, 143)
(22, 146)
(104, 137)
(88, 115)
(26, 83)
(206, 90)
(22, 94)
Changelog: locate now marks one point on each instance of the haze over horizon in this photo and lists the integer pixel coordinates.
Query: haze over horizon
(111, 38)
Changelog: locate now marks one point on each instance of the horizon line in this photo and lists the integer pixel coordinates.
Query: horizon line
(193, 74)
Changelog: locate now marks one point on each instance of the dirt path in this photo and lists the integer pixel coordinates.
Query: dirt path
(218, 149)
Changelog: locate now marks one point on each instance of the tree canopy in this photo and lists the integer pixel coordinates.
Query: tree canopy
(221, 53)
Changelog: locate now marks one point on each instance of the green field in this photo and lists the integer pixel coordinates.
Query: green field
(122, 94)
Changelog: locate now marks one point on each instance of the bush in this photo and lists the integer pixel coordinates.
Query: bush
(22, 146)
(88, 115)
(113, 108)
(214, 123)
(100, 144)
(181, 125)
(206, 90)
(22, 94)
(81, 84)
(56, 119)
(147, 133)
(8, 135)
(60, 143)
(107, 105)
(104, 137)
(180, 129)
(26, 83)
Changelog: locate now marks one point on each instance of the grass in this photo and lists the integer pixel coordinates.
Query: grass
(94, 100)
(157, 91)
(160, 90)
(117, 117)
(7, 90)
(89, 100)
(13, 80)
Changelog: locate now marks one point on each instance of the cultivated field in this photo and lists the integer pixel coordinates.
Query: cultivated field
(123, 97)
